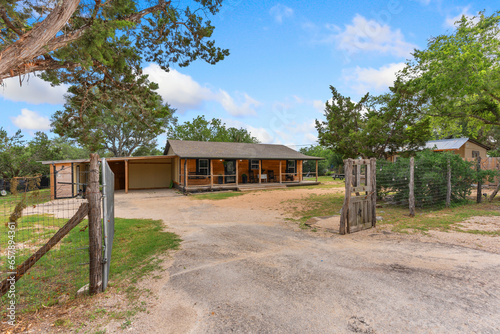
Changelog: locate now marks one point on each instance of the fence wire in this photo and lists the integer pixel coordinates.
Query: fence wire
(37, 217)
(430, 183)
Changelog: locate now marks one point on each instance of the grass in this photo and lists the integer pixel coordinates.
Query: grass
(217, 195)
(396, 217)
(64, 269)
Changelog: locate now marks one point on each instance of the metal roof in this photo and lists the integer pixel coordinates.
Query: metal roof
(224, 150)
(50, 162)
(451, 144)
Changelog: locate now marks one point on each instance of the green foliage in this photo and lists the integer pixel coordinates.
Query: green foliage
(375, 126)
(163, 32)
(458, 75)
(201, 129)
(430, 175)
(332, 159)
(20, 158)
(118, 113)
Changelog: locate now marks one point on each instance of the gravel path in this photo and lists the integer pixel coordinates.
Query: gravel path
(242, 269)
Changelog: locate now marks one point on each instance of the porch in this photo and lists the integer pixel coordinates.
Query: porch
(240, 174)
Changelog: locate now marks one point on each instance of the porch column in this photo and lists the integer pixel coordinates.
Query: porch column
(185, 174)
(211, 174)
(301, 169)
(316, 170)
(260, 171)
(280, 173)
(237, 161)
(126, 176)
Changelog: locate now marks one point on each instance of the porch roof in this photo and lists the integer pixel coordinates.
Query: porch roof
(224, 150)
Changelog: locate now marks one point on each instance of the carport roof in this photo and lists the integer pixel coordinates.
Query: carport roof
(224, 150)
(153, 157)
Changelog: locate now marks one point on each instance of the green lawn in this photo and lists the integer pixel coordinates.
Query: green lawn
(64, 269)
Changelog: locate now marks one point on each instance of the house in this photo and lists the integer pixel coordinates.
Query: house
(191, 166)
(467, 148)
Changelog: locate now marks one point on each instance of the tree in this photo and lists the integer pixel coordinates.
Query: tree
(103, 117)
(375, 126)
(458, 75)
(201, 129)
(70, 34)
(332, 159)
(21, 158)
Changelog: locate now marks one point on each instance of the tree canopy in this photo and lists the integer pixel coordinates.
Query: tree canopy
(20, 158)
(332, 159)
(458, 75)
(201, 129)
(376, 126)
(120, 113)
(47, 35)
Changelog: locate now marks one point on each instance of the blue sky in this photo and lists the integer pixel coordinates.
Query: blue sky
(284, 56)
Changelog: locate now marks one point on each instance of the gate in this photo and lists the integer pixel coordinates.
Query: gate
(358, 211)
(108, 205)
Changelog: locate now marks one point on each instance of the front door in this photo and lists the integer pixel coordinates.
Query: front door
(230, 171)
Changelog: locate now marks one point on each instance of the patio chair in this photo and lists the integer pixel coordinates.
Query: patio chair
(252, 177)
(270, 176)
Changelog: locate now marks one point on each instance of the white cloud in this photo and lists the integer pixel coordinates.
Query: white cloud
(31, 120)
(33, 90)
(280, 12)
(450, 21)
(181, 91)
(244, 108)
(373, 80)
(368, 35)
(319, 105)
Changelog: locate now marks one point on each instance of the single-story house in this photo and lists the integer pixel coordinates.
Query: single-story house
(191, 166)
(467, 148)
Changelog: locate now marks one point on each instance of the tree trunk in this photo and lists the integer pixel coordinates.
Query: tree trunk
(33, 43)
(95, 228)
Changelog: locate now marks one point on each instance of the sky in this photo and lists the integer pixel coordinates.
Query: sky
(284, 56)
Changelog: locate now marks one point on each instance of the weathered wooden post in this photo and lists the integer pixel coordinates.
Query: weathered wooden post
(479, 181)
(448, 189)
(95, 228)
(344, 226)
(373, 181)
(411, 198)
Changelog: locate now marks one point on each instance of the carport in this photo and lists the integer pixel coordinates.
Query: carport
(131, 173)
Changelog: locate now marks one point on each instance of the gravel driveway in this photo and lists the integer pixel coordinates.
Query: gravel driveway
(246, 271)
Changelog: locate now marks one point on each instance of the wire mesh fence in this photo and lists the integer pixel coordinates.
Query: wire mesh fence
(438, 180)
(28, 219)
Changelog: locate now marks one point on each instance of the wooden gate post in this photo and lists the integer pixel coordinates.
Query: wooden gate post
(479, 182)
(448, 188)
(411, 198)
(95, 228)
(373, 181)
(344, 226)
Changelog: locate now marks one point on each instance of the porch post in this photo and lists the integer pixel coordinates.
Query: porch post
(211, 174)
(237, 161)
(185, 174)
(301, 169)
(260, 171)
(280, 173)
(126, 176)
(316, 170)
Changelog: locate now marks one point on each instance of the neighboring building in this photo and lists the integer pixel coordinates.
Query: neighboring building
(467, 148)
(191, 166)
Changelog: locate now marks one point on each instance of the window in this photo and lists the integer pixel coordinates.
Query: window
(290, 166)
(203, 167)
(475, 154)
(254, 164)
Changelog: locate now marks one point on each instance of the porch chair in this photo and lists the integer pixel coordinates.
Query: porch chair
(252, 177)
(270, 176)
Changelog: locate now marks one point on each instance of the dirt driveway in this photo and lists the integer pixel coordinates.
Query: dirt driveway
(242, 269)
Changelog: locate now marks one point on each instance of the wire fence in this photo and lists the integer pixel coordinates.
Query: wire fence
(435, 182)
(28, 220)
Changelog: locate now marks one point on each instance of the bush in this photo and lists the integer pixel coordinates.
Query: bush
(430, 175)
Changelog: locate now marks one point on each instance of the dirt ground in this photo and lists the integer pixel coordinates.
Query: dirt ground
(243, 268)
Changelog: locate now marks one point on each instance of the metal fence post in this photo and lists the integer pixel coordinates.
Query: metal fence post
(448, 189)
(479, 182)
